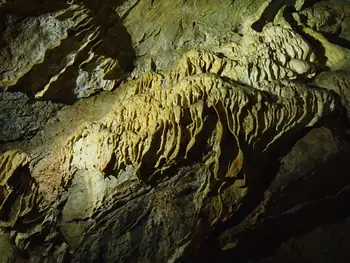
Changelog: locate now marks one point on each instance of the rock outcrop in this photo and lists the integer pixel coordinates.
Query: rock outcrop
(62, 55)
(186, 137)
(21, 118)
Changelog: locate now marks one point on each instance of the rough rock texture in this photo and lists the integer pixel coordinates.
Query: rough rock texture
(21, 117)
(279, 214)
(8, 251)
(17, 188)
(170, 28)
(70, 56)
(25, 45)
(201, 121)
(337, 81)
(221, 125)
(326, 244)
(276, 53)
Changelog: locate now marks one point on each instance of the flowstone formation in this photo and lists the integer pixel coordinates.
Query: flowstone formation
(205, 138)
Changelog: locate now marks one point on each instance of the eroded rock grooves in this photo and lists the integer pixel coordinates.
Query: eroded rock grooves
(169, 131)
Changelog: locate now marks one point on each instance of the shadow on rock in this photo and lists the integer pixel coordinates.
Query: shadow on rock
(317, 198)
(58, 79)
(116, 41)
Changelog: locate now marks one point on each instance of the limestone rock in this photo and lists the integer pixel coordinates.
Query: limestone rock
(286, 213)
(18, 191)
(71, 71)
(276, 53)
(337, 81)
(322, 18)
(25, 45)
(305, 156)
(324, 244)
(345, 33)
(222, 139)
(7, 250)
(271, 11)
(324, 24)
(22, 118)
(336, 56)
(143, 141)
(171, 28)
(54, 65)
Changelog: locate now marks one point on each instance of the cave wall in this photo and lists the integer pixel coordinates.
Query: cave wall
(171, 131)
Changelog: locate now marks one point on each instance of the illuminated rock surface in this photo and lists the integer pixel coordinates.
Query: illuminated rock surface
(172, 131)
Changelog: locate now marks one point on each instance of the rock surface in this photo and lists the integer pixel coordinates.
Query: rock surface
(70, 55)
(194, 131)
(21, 118)
(337, 81)
(324, 244)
